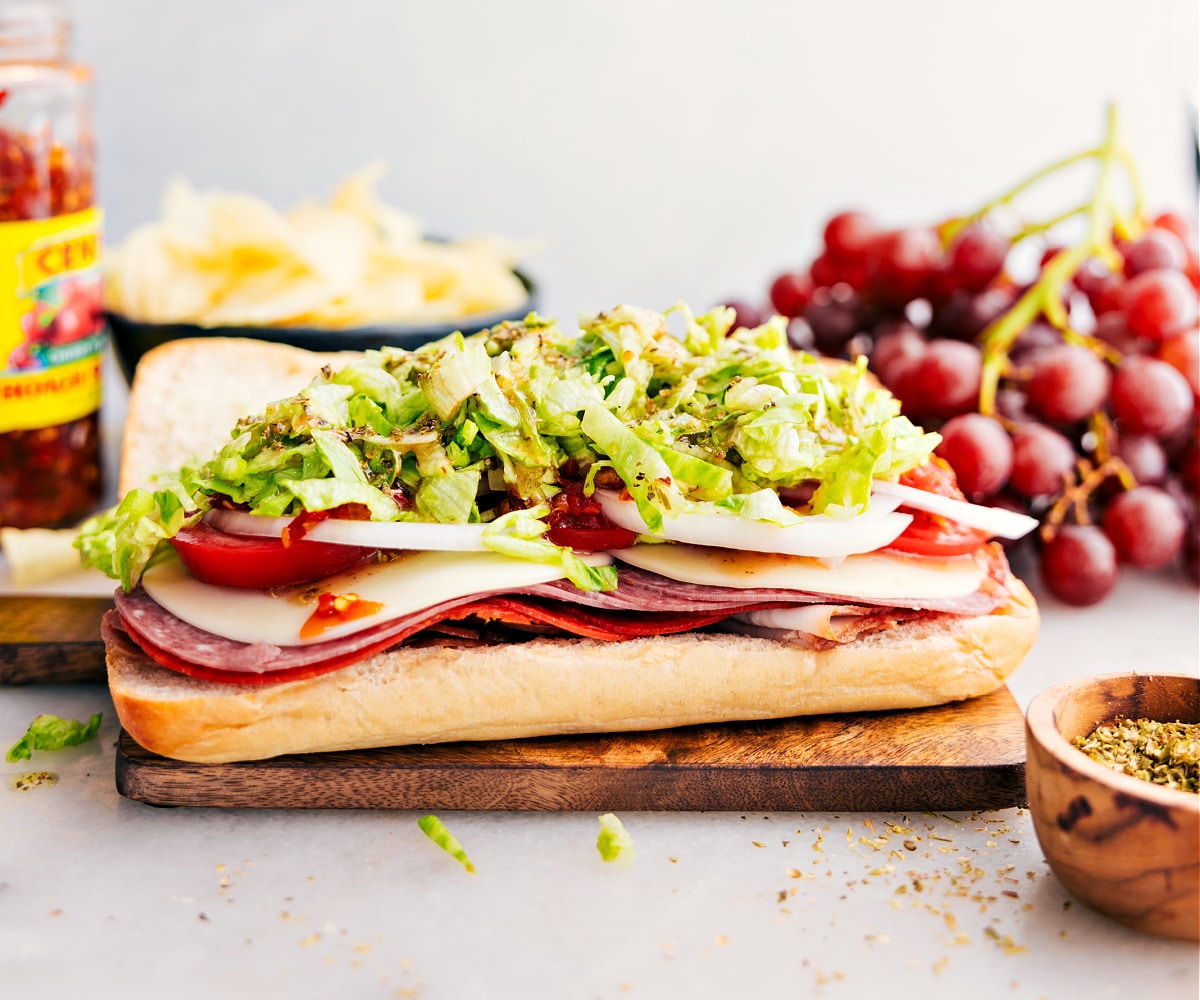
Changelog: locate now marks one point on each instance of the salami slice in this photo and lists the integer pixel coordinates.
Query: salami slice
(190, 650)
(643, 604)
(641, 590)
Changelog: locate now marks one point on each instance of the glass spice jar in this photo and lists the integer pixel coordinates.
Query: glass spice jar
(52, 331)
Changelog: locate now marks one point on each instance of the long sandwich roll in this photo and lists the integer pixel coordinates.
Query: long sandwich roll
(535, 531)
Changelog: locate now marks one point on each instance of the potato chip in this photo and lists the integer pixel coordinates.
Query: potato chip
(244, 225)
(231, 259)
(146, 275)
(270, 297)
(356, 196)
(186, 220)
(333, 245)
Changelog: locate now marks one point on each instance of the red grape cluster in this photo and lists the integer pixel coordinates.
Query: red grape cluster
(1089, 423)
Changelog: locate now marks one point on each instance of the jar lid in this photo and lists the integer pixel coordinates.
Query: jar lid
(34, 31)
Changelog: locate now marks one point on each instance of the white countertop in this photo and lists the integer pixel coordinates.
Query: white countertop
(101, 896)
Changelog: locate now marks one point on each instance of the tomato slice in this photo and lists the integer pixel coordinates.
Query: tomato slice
(596, 538)
(226, 560)
(929, 534)
(935, 476)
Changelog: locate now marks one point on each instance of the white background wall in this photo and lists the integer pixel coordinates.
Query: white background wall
(661, 150)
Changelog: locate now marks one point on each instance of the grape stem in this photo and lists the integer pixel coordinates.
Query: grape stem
(1075, 496)
(1129, 228)
(1037, 228)
(954, 226)
(1104, 433)
(1046, 296)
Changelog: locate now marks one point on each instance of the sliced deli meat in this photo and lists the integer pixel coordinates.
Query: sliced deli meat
(642, 590)
(408, 583)
(191, 650)
(644, 604)
(414, 583)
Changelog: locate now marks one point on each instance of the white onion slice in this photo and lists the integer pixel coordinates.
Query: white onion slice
(408, 535)
(993, 520)
(817, 536)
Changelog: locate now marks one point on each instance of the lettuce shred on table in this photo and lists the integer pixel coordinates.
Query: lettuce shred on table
(49, 732)
(614, 842)
(436, 830)
(711, 418)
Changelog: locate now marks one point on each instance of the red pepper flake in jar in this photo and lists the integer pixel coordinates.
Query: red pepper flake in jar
(52, 332)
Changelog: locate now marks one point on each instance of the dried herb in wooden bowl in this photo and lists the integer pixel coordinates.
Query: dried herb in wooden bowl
(1165, 753)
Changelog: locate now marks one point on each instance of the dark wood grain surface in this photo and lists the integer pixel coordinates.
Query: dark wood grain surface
(969, 755)
(51, 639)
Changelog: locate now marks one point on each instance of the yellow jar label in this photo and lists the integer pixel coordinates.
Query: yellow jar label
(52, 333)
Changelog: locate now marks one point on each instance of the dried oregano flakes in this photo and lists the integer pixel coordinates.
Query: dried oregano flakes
(1164, 753)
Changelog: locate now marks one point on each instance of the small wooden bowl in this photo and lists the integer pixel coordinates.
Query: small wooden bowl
(1127, 847)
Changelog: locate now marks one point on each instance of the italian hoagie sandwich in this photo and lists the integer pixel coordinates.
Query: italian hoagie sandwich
(535, 531)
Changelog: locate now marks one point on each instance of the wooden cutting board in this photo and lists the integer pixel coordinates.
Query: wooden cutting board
(51, 639)
(965, 756)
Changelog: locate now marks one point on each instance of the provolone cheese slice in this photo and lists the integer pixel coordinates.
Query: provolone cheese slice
(875, 576)
(407, 584)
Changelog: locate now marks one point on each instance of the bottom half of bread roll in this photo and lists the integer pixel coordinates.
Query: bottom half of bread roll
(553, 686)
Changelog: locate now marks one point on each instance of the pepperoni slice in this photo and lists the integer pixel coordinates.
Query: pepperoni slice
(587, 623)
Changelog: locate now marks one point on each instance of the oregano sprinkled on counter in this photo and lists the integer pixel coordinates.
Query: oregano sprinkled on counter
(34, 779)
(1165, 753)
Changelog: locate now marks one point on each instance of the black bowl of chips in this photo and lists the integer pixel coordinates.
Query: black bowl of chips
(347, 274)
(132, 338)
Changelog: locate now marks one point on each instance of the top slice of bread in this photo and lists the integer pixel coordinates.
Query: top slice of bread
(188, 395)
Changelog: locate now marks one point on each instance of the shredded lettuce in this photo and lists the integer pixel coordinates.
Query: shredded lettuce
(711, 415)
(325, 494)
(708, 478)
(641, 468)
(436, 830)
(448, 498)
(456, 375)
(121, 542)
(519, 534)
(705, 333)
(761, 505)
(614, 842)
(49, 732)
